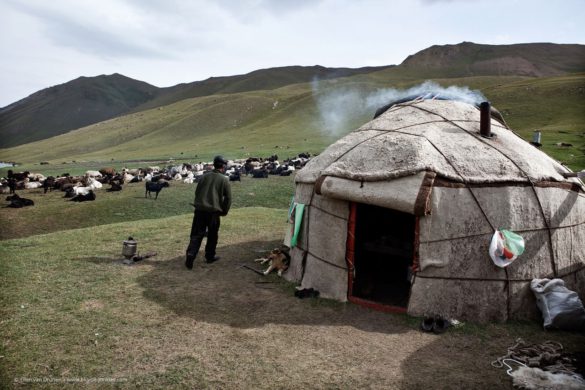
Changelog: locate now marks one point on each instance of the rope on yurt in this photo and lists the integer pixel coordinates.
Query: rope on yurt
(483, 234)
(474, 279)
(384, 131)
(508, 289)
(572, 272)
(304, 264)
(328, 213)
(398, 128)
(328, 262)
(508, 285)
(399, 104)
(533, 186)
(546, 222)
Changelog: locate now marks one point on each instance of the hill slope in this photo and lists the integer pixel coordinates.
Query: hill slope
(85, 101)
(263, 79)
(471, 59)
(89, 100)
(295, 118)
(68, 106)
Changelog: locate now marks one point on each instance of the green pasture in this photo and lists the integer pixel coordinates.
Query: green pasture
(52, 212)
(288, 120)
(555, 107)
(71, 309)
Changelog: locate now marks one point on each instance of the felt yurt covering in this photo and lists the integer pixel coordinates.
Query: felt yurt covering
(426, 159)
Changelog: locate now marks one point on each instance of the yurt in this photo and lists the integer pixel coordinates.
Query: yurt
(399, 215)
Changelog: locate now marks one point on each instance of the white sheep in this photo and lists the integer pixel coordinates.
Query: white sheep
(36, 177)
(31, 185)
(93, 174)
(93, 183)
(79, 190)
(175, 169)
(127, 177)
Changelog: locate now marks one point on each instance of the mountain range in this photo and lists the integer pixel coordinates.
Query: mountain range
(115, 117)
(86, 100)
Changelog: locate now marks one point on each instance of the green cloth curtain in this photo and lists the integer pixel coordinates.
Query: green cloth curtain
(299, 209)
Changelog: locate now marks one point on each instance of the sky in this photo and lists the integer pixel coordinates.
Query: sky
(166, 42)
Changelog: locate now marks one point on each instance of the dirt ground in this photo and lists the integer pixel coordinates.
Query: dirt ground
(228, 327)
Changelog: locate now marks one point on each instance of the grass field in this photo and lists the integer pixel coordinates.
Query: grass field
(56, 213)
(71, 314)
(292, 119)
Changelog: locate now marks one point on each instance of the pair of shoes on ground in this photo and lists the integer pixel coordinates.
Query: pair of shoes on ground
(434, 324)
(190, 259)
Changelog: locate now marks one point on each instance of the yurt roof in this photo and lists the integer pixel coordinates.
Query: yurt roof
(441, 136)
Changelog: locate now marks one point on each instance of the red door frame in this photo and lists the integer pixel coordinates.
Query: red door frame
(350, 257)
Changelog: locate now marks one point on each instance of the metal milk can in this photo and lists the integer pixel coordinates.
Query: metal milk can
(129, 248)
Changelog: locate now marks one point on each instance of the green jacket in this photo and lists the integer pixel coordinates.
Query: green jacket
(213, 193)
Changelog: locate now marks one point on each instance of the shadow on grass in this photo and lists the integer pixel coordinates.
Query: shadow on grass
(462, 358)
(225, 292)
(455, 362)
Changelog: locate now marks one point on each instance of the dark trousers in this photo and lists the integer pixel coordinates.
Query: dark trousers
(204, 221)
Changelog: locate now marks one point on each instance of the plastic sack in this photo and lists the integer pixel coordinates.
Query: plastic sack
(505, 247)
(560, 307)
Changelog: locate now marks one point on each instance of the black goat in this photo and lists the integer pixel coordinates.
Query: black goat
(235, 176)
(154, 187)
(115, 186)
(12, 185)
(259, 173)
(17, 202)
(83, 198)
(48, 184)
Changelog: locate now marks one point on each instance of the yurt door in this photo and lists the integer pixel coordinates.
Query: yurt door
(380, 249)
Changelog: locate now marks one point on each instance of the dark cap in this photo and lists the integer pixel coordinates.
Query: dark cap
(219, 161)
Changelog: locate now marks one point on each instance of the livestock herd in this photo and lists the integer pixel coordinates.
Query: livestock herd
(82, 188)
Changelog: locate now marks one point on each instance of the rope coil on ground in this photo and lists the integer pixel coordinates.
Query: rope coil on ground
(547, 356)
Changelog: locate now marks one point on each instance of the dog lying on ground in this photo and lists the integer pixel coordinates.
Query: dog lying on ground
(277, 259)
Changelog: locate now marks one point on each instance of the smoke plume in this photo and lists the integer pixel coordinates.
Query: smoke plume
(340, 106)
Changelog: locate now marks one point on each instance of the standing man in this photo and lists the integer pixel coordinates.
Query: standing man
(213, 198)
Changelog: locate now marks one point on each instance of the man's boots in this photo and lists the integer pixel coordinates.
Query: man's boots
(189, 259)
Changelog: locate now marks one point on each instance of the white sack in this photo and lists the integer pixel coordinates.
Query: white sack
(561, 308)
